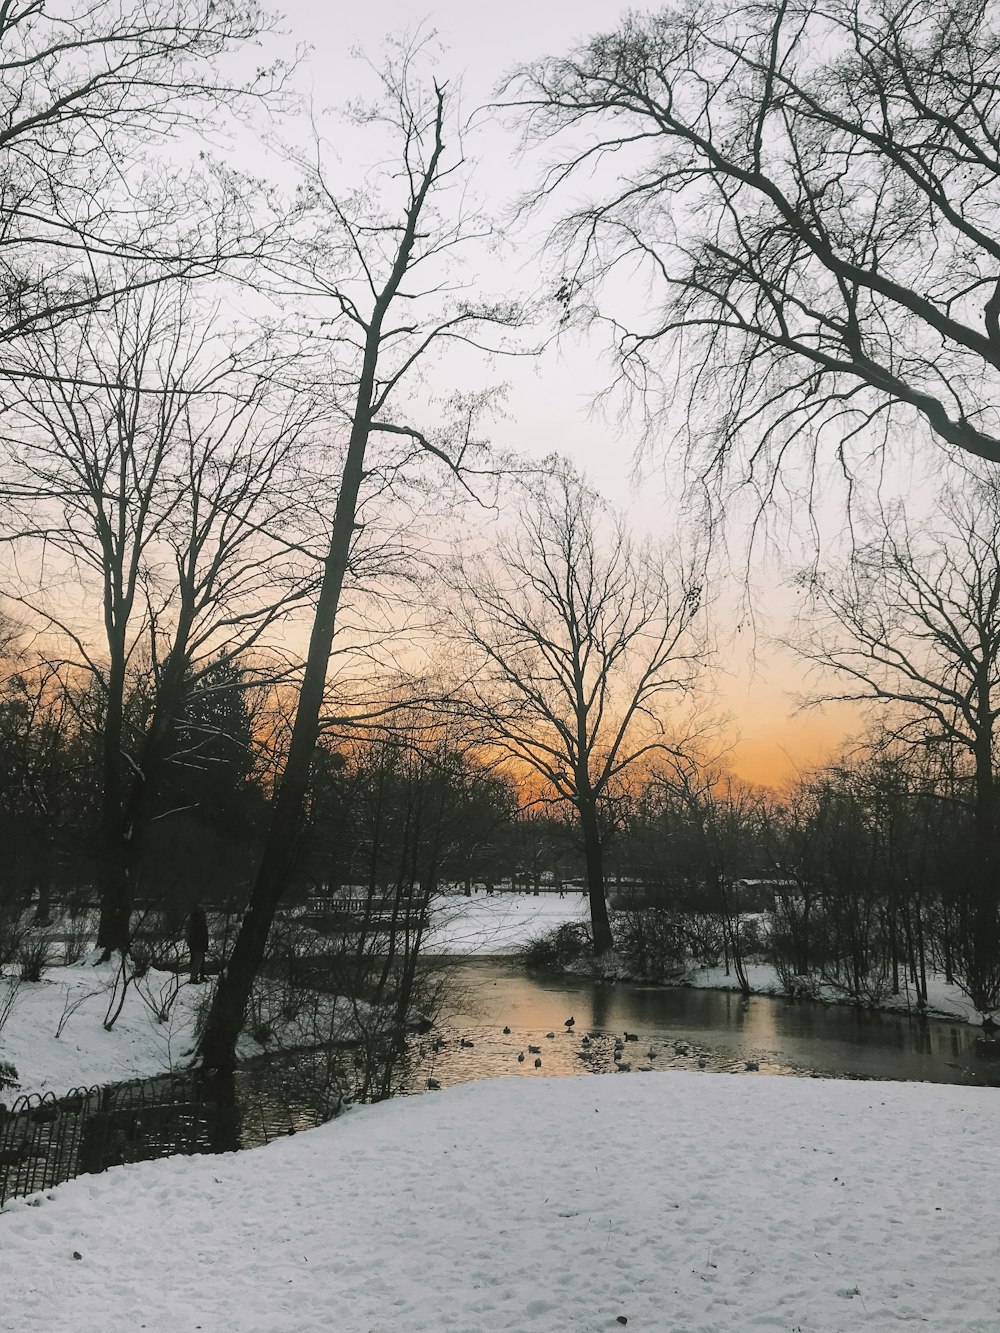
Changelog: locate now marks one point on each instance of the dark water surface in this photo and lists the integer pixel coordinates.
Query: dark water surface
(682, 1028)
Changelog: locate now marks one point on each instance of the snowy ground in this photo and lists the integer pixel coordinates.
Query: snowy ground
(675, 1201)
(498, 923)
(56, 1039)
(943, 1001)
(77, 999)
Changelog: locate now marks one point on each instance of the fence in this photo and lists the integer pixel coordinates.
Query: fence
(48, 1139)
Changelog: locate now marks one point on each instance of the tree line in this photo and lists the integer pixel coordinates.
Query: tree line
(222, 435)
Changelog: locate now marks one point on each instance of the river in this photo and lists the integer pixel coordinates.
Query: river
(678, 1027)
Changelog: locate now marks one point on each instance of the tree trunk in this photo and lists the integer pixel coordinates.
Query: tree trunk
(113, 927)
(593, 853)
(225, 1019)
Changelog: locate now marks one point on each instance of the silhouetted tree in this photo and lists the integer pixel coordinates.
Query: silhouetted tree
(576, 638)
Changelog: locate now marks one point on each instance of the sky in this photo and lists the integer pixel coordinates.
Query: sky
(550, 406)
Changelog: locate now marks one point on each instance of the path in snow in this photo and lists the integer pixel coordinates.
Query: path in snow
(693, 1202)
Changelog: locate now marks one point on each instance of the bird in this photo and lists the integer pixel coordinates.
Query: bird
(585, 1040)
(550, 1034)
(624, 1069)
(570, 1022)
(651, 1054)
(752, 1066)
(506, 1032)
(520, 1058)
(538, 1063)
(467, 1044)
(534, 1050)
(432, 1083)
(631, 1036)
(702, 1062)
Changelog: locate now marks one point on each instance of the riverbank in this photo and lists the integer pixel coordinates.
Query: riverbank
(676, 1201)
(56, 1039)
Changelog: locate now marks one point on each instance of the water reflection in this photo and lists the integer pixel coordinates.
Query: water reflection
(724, 1029)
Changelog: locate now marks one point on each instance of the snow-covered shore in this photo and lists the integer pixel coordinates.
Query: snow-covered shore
(677, 1201)
(488, 925)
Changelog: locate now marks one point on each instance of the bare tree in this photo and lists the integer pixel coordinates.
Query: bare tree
(164, 484)
(90, 95)
(806, 197)
(912, 622)
(383, 262)
(576, 640)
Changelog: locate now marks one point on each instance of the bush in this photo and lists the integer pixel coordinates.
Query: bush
(557, 949)
(33, 956)
(651, 941)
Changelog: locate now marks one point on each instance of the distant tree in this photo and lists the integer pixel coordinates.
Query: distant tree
(576, 638)
(716, 834)
(912, 623)
(202, 832)
(162, 477)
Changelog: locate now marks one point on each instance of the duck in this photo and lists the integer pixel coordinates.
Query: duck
(570, 1022)
(631, 1036)
(467, 1044)
(534, 1050)
(550, 1035)
(506, 1032)
(538, 1063)
(433, 1084)
(585, 1040)
(520, 1058)
(752, 1066)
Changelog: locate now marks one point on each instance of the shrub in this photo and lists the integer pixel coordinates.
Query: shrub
(33, 956)
(557, 949)
(651, 941)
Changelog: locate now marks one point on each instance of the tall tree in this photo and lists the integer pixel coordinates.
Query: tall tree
(912, 622)
(152, 472)
(576, 638)
(806, 195)
(375, 258)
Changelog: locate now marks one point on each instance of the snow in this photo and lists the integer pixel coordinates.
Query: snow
(943, 1000)
(499, 923)
(139, 1045)
(675, 1200)
(85, 1053)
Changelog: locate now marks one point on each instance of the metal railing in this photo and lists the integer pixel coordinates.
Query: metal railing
(47, 1139)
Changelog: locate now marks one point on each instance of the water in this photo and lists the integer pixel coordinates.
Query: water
(683, 1028)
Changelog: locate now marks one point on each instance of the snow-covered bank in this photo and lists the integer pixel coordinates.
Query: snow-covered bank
(499, 923)
(55, 1035)
(56, 1039)
(943, 1000)
(679, 1201)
